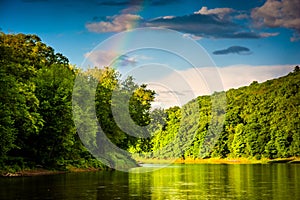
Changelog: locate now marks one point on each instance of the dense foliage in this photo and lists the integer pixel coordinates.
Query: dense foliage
(110, 114)
(261, 121)
(37, 115)
(36, 119)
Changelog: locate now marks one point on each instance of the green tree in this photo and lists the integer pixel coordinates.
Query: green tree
(56, 140)
(262, 120)
(19, 116)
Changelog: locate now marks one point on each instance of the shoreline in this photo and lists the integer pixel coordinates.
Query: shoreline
(32, 172)
(44, 172)
(291, 160)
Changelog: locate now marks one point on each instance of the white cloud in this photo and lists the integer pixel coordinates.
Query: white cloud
(187, 84)
(192, 36)
(101, 58)
(242, 16)
(221, 12)
(209, 23)
(168, 17)
(214, 23)
(275, 13)
(243, 75)
(116, 23)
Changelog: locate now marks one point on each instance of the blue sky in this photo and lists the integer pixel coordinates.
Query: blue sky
(259, 39)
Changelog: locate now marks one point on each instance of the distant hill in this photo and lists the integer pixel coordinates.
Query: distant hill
(260, 121)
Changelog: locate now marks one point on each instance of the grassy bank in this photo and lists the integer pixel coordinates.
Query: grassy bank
(218, 161)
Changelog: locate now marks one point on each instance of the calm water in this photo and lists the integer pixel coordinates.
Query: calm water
(202, 181)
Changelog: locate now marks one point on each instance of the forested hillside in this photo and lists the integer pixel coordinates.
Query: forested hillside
(37, 124)
(36, 119)
(261, 121)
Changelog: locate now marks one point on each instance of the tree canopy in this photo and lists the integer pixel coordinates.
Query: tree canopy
(37, 115)
(261, 120)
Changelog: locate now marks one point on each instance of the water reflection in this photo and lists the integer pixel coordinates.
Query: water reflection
(280, 181)
(219, 182)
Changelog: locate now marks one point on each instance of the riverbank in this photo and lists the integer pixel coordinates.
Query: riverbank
(43, 172)
(292, 160)
(31, 172)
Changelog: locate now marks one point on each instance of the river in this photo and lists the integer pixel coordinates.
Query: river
(181, 181)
